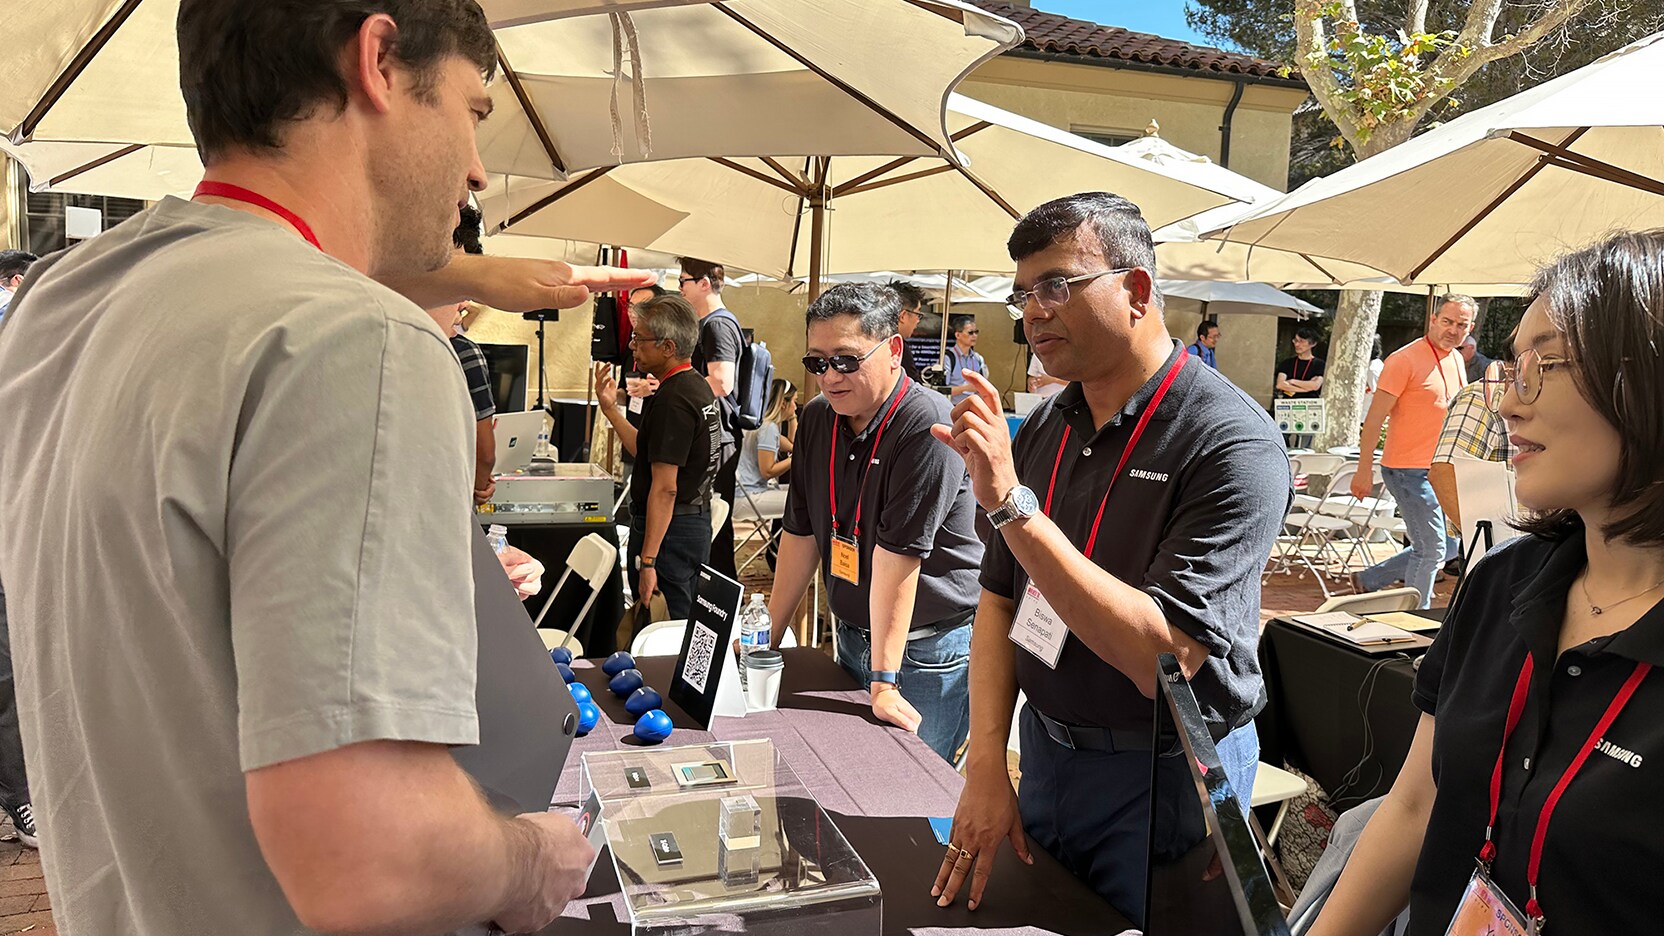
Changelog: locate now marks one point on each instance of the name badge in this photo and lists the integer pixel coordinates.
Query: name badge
(1486, 911)
(637, 404)
(846, 559)
(1037, 628)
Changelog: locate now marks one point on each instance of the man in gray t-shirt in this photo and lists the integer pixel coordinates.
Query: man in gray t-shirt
(235, 531)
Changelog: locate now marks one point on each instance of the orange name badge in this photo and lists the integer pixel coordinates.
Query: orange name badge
(846, 559)
(1486, 911)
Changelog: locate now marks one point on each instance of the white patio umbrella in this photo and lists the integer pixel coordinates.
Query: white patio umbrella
(1216, 297)
(935, 285)
(1492, 195)
(848, 214)
(685, 77)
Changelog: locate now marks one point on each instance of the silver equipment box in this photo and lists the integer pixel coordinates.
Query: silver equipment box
(575, 493)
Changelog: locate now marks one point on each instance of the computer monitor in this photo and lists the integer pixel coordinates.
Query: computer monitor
(1206, 876)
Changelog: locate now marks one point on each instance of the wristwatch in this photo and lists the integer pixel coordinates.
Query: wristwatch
(893, 677)
(1020, 503)
(646, 562)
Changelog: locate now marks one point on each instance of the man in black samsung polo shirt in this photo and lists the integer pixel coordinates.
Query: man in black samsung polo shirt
(887, 513)
(676, 452)
(1085, 583)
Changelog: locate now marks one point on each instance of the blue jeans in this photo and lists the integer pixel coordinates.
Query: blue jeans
(686, 547)
(935, 680)
(1091, 809)
(1430, 546)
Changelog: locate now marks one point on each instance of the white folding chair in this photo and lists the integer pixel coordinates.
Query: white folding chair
(719, 514)
(759, 511)
(1391, 599)
(660, 638)
(1316, 466)
(553, 638)
(591, 559)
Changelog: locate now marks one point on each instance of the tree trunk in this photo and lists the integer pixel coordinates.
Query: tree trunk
(1348, 367)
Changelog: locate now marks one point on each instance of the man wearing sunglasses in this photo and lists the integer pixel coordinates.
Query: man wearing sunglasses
(963, 357)
(1134, 514)
(888, 515)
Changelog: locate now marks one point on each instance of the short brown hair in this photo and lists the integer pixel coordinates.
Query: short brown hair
(1607, 301)
(703, 269)
(249, 67)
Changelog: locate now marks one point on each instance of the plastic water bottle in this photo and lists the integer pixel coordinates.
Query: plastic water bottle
(755, 627)
(497, 536)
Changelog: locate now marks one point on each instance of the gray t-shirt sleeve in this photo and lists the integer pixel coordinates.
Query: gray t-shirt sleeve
(1206, 573)
(348, 530)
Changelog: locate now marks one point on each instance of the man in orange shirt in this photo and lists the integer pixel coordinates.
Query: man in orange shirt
(1414, 390)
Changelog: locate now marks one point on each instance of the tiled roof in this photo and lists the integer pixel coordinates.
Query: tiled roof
(1062, 35)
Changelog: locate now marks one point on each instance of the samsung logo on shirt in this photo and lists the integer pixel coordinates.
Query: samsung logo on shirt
(1149, 475)
(1617, 753)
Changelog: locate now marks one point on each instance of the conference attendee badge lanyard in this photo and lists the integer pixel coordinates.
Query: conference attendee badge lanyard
(1037, 628)
(237, 193)
(1484, 909)
(1439, 362)
(846, 550)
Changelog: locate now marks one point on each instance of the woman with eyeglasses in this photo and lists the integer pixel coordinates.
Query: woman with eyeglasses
(1531, 790)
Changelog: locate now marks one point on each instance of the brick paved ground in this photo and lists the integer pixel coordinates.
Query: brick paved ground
(26, 908)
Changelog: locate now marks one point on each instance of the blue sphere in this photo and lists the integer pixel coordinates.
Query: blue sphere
(643, 700)
(560, 655)
(580, 692)
(565, 672)
(653, 727)
(588, 716)
(618, 663)
(626, 682)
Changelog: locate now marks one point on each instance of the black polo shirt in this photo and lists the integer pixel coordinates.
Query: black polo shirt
(917, 503)
(1191, 522)
(681, 425)
(1601, 856)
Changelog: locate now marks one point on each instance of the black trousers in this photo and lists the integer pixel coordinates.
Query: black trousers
(14, 784)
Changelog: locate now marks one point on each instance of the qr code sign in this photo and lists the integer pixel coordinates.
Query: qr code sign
(701, 652)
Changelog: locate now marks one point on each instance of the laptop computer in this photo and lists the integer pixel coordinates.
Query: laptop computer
(1206, 876)
(516, 435)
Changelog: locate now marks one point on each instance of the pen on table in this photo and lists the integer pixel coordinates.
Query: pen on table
(1355, 624)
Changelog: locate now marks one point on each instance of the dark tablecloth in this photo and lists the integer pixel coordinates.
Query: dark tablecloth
(1329, 706)
(879, 784)
(550, 545)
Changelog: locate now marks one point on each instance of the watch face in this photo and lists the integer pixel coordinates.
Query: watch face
(1025, 501)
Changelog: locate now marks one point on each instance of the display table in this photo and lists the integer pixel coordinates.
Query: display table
(1328, 704)
(878, 782)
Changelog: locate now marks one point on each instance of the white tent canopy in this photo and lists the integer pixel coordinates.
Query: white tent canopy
(866, 213)
(1216, 298)
(1494, 194)
(774, 77)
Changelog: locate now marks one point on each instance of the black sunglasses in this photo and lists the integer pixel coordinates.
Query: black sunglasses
(842, 363)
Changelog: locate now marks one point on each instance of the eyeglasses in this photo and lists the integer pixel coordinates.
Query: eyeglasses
(689, 279)
(842, 363)
(1525, 374)
(639, 338)
(970, 331)
(1054, 291)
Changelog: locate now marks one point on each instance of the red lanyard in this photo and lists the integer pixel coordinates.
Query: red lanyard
(1132, 443)
(675, 370)
(1438, 363)
(1309, 365)
(861, 485)
(1516, 708)
(238, 193)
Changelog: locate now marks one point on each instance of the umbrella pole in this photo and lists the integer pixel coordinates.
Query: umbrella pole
(817, 234)
(947, 312)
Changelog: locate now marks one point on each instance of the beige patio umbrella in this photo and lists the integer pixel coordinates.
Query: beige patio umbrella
(1492, 195)
(824, 215)
(684, 78)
